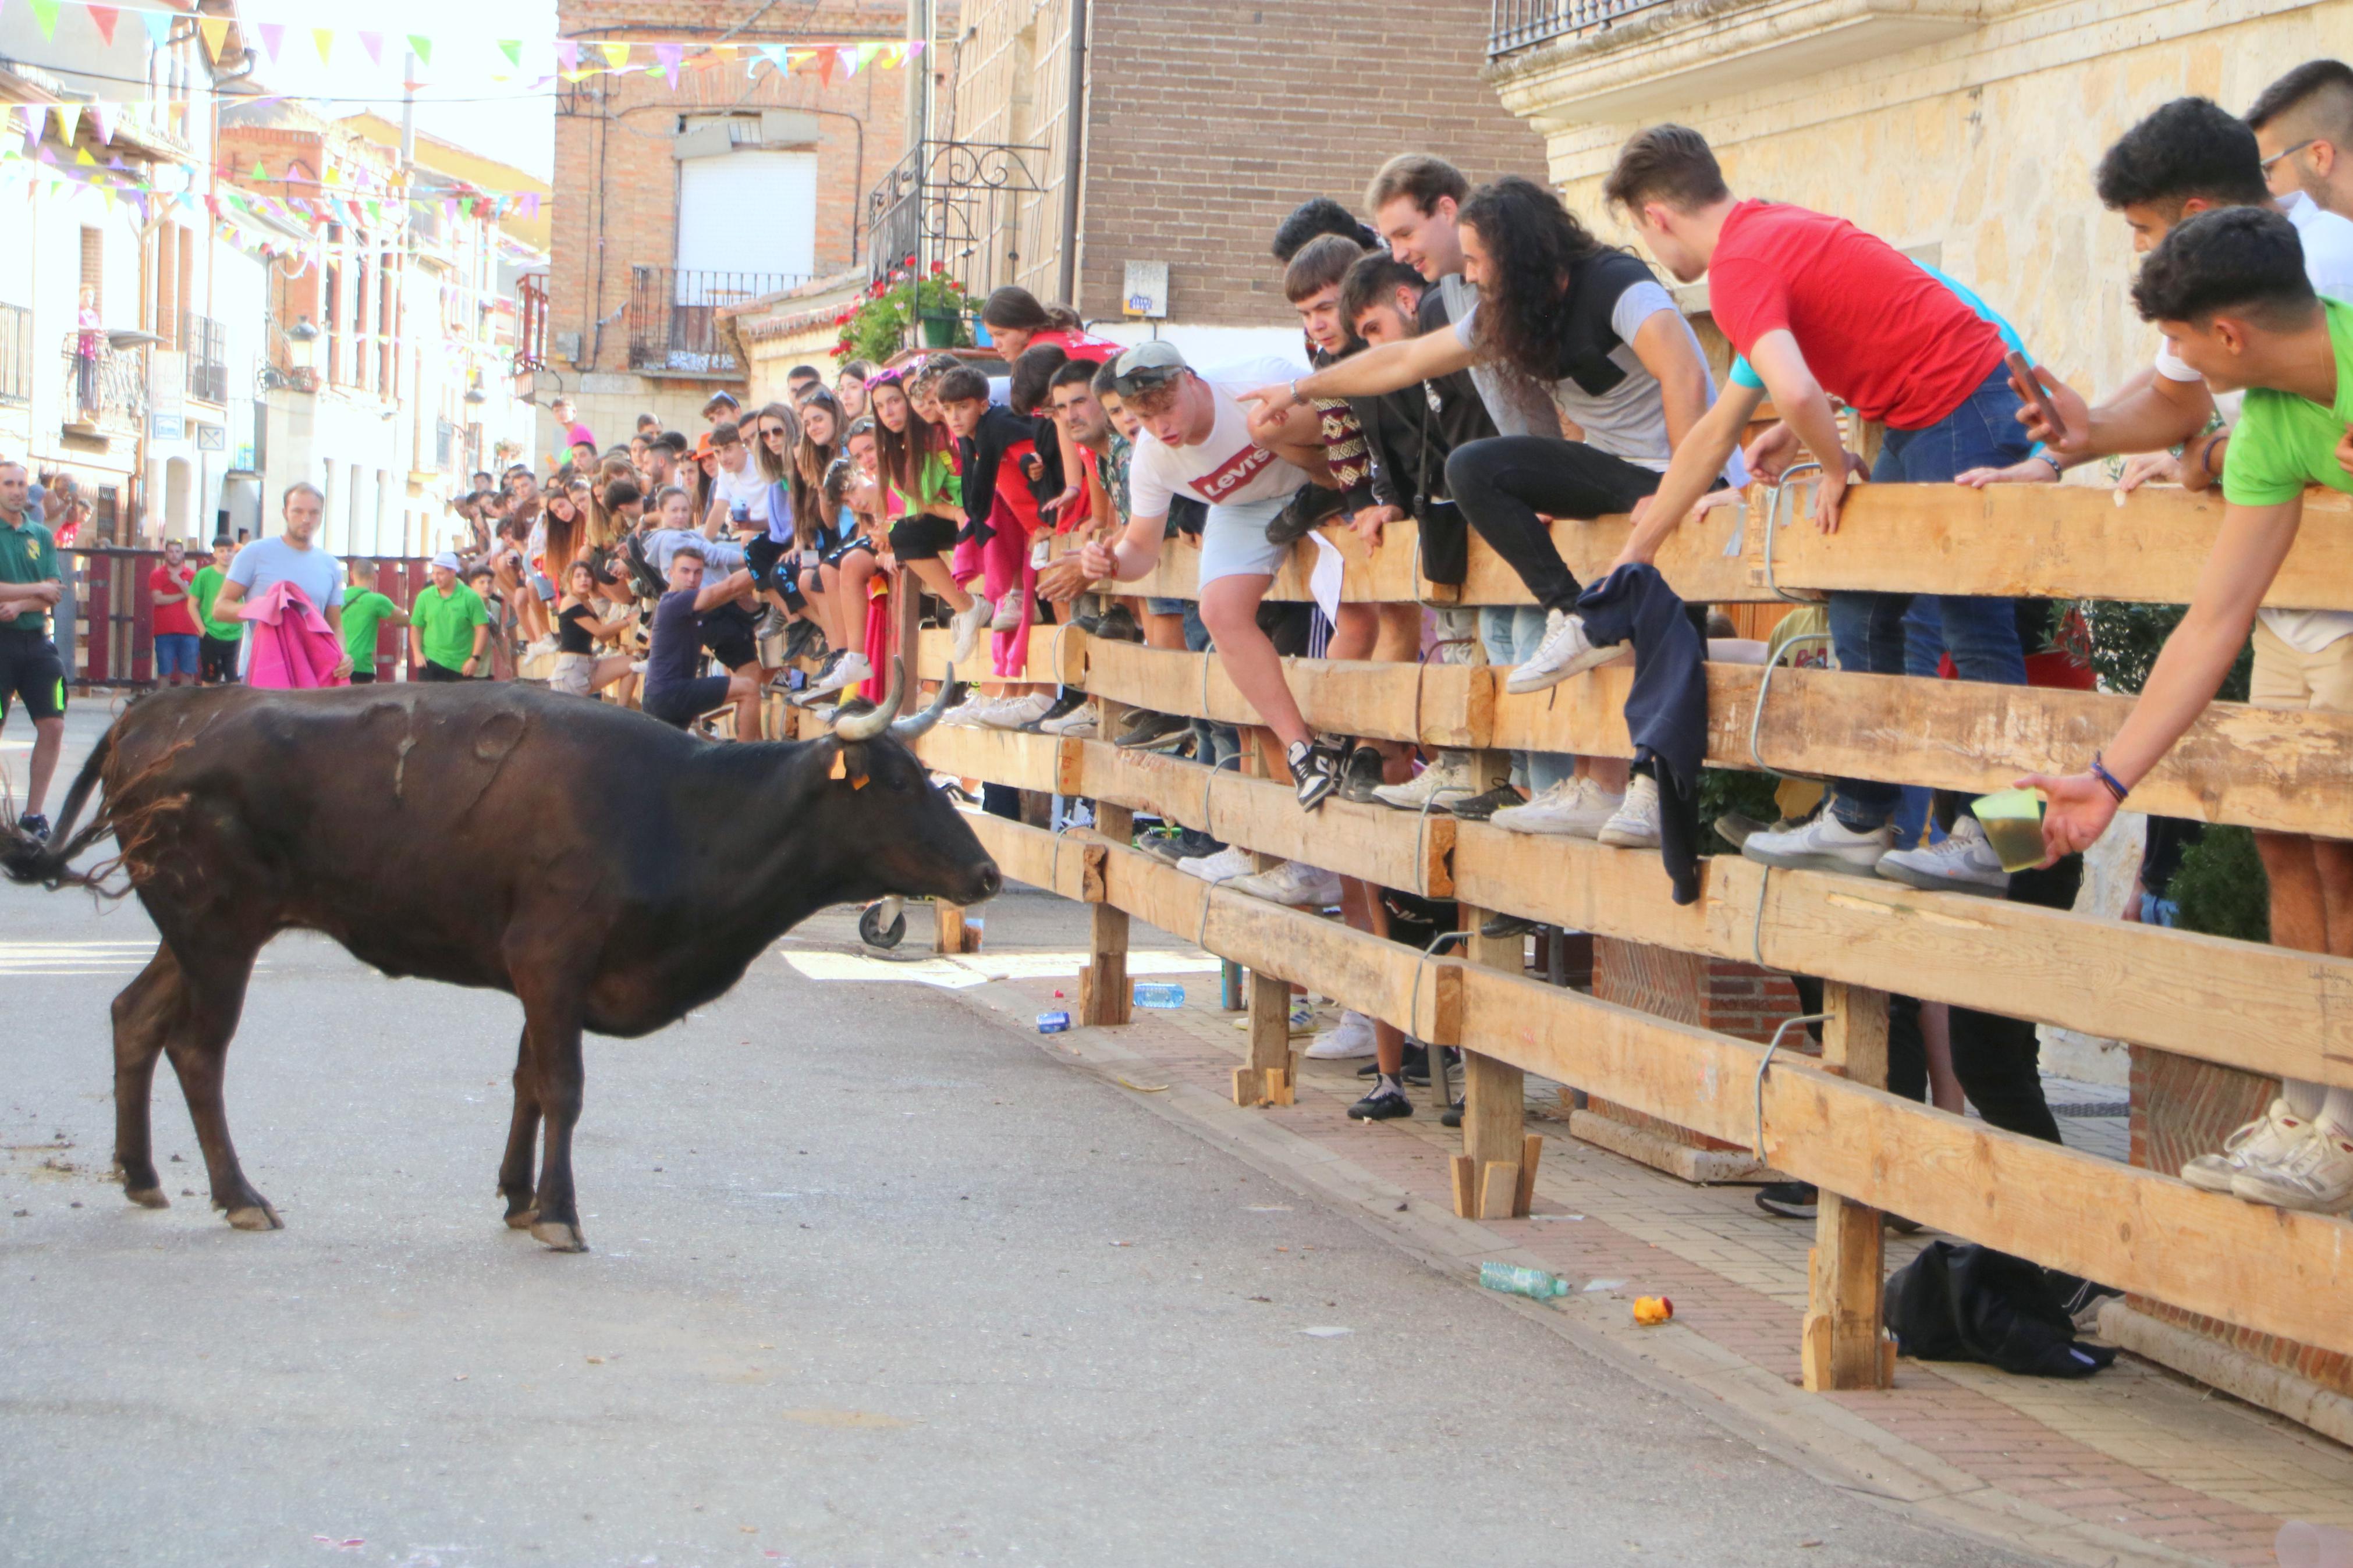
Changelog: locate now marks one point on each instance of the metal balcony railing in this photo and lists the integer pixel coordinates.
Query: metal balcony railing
(531, 322)
(106, 388)
(674, 316)
(1516, 25)
(446, 447)
(206, 346)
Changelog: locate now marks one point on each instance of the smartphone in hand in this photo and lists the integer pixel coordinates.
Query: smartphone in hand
(2030, 386)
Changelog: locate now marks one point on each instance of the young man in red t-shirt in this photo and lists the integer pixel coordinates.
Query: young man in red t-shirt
(1821, 310)
(178, 638)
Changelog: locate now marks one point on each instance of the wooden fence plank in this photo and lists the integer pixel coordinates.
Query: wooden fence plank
(1437, 704)
(1066, 864)
(2122, 1225)
(1058, 656)
(1000, 756)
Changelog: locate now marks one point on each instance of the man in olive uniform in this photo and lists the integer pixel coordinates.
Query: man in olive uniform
(30, 669)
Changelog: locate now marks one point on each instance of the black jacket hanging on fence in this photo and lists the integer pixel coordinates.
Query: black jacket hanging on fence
(1957, 1302)
(1666, 712)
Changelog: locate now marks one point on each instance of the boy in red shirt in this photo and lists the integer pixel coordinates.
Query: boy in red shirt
(1821, 309)
(177, 635)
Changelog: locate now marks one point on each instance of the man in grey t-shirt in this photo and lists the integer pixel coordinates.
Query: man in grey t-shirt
(292, 557)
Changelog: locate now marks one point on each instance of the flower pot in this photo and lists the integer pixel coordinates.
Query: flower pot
(940, 329)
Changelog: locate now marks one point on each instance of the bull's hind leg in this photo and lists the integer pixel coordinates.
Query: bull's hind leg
(214, 985)
(522, 1133)
(144, 1015)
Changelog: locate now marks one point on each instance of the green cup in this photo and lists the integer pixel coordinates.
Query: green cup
(2012, 820)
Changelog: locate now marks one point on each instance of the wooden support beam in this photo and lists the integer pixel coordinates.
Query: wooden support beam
(1392, 849)
(1847, 1271)
(2245, 1005)
(949, 936)
(1068, 864)
(1269, 1067)
(1385, 576)
(2127, 1226)
(1107, 995)
(1058, 656)
(1000, 756)
(1437, 704)
(1493, 1092)
(1381, 979)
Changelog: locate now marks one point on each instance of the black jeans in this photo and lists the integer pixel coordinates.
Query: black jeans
(1501, 484)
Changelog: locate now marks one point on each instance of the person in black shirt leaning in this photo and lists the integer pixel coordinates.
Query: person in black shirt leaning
(579, 627)
(676, 692)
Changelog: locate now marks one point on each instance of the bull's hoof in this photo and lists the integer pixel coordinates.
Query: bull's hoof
(256, 1217)
(147, 1197)
(522, 1220)
(557, 1236)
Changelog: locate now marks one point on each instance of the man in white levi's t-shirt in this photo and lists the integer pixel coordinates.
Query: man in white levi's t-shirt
(1197, 438)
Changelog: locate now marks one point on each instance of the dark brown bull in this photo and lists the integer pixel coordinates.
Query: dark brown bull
(608, 871)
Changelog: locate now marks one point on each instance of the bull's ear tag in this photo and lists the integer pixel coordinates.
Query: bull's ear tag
(840, 770)
(858, 783)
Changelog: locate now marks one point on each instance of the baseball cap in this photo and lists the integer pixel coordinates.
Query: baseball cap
(1145, 366)
(446, 561)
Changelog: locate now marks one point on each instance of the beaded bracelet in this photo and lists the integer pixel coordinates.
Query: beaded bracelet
(2100, 772)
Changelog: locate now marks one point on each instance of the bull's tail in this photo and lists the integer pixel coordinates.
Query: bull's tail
(25, 858)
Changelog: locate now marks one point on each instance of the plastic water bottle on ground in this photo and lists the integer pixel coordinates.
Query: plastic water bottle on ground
(1153, 993)
(1517, 1281)
(1053, 1023)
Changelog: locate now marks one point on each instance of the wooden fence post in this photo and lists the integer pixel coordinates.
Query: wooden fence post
(1846, 1274)
(1267, 1079)
(1104, 998)
(1496, 1173)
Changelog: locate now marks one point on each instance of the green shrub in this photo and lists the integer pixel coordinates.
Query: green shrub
(2221, 887)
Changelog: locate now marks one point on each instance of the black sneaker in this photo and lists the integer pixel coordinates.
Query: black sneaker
(1480, 807)
(1149, 731)
(1068, 703)
(1452, 1115)
(802, 639)
(1308, 506)
(1386, 1103)
(1504, 926)
(1165, 843)
(1414, 1070)
(1312, 773)
(1115, 625)
(34, 825)
(1360, 775)
(1788, 1200)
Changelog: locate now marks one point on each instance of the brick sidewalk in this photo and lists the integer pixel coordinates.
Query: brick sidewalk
(2133, 1450)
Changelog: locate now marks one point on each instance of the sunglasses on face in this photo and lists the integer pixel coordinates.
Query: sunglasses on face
(772, 432)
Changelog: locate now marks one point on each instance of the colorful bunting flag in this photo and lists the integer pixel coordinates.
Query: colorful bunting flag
(667, 57)
(848, 57)
(103, 17)
(103, 119)
(373, 44)
(69, 117)
(616, 54)
(44, 12)
(216, 32)
(272, 35)
(159, 26)
(567, 54)
(422, 47)
(323, 39)
(513, 49)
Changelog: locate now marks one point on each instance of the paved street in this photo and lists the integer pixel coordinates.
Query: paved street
(875, 1279)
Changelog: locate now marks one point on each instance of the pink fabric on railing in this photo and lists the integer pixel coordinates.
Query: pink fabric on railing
(1005, 561)
(293, 648)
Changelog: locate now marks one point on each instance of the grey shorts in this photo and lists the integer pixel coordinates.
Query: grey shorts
(1234, 541)
(573, 673)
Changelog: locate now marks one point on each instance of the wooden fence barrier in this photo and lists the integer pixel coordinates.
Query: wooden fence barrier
(2250, 1006)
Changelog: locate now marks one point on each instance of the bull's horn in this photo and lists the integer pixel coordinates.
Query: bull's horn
(866, 726)
(911, 728)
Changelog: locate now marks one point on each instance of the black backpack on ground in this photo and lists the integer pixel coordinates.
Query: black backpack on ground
(1966, 1302)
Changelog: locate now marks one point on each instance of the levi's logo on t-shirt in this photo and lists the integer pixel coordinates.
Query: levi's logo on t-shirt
(1232, 474)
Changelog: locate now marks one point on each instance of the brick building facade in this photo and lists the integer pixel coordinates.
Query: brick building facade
(777, 164)
(1203, 125)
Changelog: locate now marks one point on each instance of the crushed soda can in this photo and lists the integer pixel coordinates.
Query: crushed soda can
(1053, 1023)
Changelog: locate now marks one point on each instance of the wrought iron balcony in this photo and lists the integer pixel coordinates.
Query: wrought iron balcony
(206, 346)
(1517, 25)
(945, 199)
(674, 316)
(106, 388)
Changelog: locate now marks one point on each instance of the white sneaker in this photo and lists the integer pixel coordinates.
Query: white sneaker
(966, 624)
(968, 712)
(2266, 1138)
(1079, 721)
(1015, 711)
(1576, 807)
(1009, 614)
(1963, 863)
(1437, 786)
(1565, 651)
(847, 671)
(1825, 843)
(1349, 1039)
(544, 645)
(1227, 864)
(1291, 882)
(2315, 1173)
(1635, 825)
(1303, 1015)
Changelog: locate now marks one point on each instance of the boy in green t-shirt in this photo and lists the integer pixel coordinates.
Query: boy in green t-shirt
(216, 653)
(2228, 289)
(365, 610)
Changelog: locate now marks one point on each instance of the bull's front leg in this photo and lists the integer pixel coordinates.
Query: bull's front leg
(523, 1136)
(552, 1042)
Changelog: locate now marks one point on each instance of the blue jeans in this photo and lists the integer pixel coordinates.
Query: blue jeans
(176, 653)
(1867, 630)
(1510, 634)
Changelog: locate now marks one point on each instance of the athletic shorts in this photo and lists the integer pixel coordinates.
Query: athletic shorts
(728, 632)
(680, 706)
(922, 537)
(1234, 541)
(217, 658)
(429, 670)
(761, 555)
(31, 671)
(839, 553)
(176, 653)
(2286, 676)
(364, 678)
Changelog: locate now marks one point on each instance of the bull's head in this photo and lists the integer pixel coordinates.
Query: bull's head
(917, 842)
